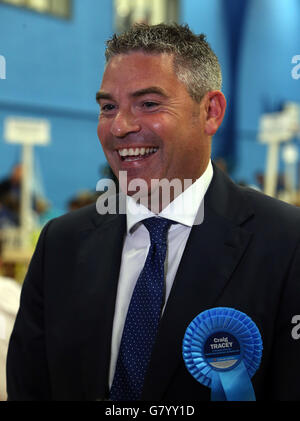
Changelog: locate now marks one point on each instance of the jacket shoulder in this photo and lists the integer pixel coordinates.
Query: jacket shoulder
(75, 220)
(253, 209)
(272, 208)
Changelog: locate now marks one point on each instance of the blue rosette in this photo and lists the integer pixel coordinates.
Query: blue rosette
(222, 349)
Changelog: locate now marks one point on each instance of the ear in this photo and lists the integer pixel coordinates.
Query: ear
(215, 105)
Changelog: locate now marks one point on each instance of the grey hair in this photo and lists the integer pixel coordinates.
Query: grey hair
(195, 63)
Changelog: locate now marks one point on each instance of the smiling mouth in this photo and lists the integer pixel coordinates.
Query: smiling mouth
(136, 154)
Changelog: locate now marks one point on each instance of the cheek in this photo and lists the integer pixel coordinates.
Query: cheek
(102, 132)
(157, 126)
(166, 130)
(161, 123)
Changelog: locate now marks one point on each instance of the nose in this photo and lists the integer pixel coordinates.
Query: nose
(124, 123)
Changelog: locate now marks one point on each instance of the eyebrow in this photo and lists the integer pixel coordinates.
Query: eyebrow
(150, 90)
(102, 95)
(136, 94)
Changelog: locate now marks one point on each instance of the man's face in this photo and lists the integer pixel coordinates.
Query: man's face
(149, 125)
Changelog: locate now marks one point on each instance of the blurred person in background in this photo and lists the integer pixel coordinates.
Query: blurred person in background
(9, 303)
(10, 191)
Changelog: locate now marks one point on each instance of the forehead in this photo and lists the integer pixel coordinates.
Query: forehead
(137, 70)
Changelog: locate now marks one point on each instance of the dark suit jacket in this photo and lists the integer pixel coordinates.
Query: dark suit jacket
(244, 255)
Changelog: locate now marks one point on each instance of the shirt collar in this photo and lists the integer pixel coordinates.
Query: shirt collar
(182, 210)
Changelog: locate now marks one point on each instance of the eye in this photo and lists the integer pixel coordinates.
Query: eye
(150, 104)
(107, 107)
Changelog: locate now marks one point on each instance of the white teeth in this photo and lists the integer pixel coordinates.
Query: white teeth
(135, 152)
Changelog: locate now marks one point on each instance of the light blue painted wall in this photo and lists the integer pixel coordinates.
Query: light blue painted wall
(272, 38)
(54, 68)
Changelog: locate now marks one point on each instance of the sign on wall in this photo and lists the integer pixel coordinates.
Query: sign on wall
(58, 8)
(128, 12)
(28, 131)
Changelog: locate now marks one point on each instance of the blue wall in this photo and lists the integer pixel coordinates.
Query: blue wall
(258, 75)
(272, 38)
(54, 68)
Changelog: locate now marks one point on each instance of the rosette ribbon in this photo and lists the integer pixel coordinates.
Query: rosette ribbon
(222, 349)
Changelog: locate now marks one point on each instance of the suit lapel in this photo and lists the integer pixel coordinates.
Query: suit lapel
(97, 278)
(213, 251)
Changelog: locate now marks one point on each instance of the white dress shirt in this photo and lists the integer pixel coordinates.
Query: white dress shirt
(136, 246)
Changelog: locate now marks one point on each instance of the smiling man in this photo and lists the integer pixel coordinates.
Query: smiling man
(108, 297)
(150, 125)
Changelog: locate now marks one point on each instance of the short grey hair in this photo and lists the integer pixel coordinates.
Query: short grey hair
(195, 63)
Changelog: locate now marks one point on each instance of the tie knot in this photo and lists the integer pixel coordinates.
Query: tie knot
(158, 228)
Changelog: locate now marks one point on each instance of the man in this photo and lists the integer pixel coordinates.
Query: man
(161, 104)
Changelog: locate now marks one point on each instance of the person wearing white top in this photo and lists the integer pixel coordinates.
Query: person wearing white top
(9, 303)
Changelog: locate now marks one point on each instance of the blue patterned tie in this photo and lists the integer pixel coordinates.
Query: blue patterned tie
(143, 317)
